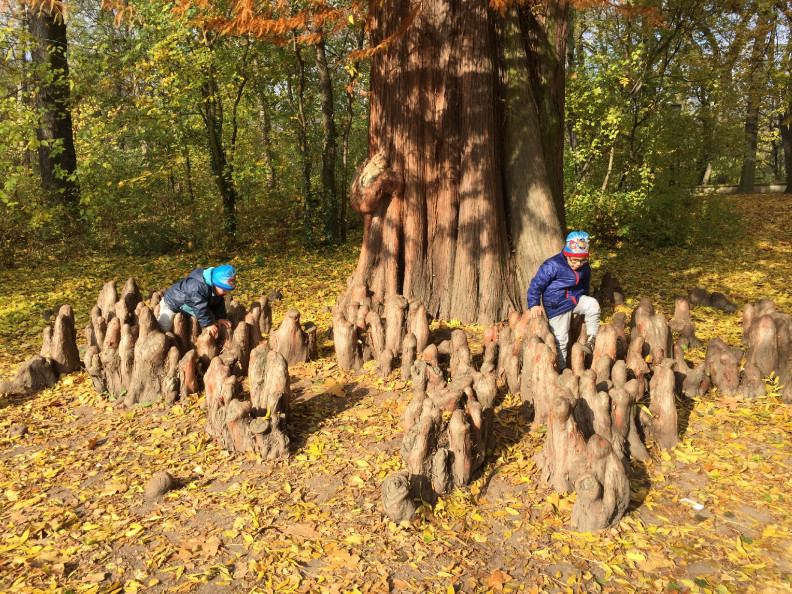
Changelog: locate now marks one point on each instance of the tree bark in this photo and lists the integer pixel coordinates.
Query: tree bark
(222, 170)
(755, 82)
(329, 194)
(57, 157)
(298, 106)
(786, 139)
(350, 102)
(265, 130)
(469, 210)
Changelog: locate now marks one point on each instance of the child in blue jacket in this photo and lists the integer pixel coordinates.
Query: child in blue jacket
(201, 296)
(562, 286)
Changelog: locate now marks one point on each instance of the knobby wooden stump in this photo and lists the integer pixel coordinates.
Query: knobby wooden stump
(361, 333)
(129, 357)
(768, 335)
(296, 343)
(447, 427)
(128, 354)
(683, 324)
(58, 356)
(609, 291)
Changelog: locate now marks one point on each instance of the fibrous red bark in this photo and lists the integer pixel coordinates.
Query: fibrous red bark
(461, 204)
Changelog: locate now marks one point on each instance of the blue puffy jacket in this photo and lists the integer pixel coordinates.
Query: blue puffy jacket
(196, 296)
(557, 286)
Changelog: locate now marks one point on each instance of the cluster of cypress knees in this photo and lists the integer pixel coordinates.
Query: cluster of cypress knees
(594, 425)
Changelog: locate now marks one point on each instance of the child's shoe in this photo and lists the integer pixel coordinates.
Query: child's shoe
(588, 346)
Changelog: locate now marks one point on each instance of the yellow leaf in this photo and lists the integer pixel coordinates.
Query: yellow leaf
(355, 539)
(771, 531)
(133, 530)
(636, 556)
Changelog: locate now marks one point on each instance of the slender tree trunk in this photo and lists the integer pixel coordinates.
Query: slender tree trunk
(23, 90)
(608, 172)
(188, 171)
(755, 82)
(456, 104)
(329, 194)
(785, 121)
(57, 157)
(786, 141)
(309, 210)
(350, 103)
(265, 137)
(222, 170)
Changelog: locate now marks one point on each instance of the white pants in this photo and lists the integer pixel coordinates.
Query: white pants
(165, 318)
(589, 308)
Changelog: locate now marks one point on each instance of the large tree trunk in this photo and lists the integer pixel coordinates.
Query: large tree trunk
(468, 210)
(329, 193)
(57, 158)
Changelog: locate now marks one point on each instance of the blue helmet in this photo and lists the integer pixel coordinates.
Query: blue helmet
(224, 277)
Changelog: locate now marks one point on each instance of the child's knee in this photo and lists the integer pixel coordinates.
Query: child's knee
(592, 306)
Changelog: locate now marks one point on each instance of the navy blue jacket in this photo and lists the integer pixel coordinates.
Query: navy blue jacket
(558, 286)
(196, 296)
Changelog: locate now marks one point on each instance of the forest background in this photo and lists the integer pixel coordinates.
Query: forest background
(187, 138)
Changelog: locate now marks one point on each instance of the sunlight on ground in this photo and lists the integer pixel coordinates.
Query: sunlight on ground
(711, 515)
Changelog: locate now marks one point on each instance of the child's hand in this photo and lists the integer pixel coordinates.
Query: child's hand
(537, 311)
(212, 330)
(225, 323)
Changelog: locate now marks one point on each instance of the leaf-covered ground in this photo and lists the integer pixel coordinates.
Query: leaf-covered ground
(712, 515)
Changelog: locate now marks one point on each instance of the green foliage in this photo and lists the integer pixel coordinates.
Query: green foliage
(608, 217)
(663, 217)
(139, 104)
